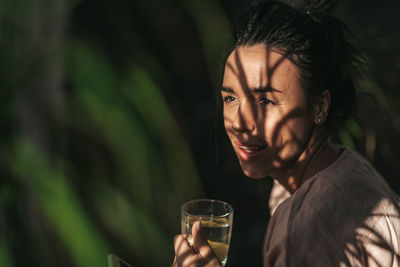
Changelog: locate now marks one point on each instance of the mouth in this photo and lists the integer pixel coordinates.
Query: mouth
(248, 151)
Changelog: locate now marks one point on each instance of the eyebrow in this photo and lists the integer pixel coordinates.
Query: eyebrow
(227, 89)
(262, 89)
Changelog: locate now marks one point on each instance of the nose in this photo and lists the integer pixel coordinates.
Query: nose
(244, 120)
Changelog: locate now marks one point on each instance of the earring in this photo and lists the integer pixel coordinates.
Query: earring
(319, 121)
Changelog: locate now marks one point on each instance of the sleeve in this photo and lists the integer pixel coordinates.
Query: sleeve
(340, 240)
(277, 196)
(379, 243)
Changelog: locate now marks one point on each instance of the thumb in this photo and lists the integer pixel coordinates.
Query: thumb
(200, 242)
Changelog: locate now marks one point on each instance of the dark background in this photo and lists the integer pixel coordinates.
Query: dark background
(110, 122)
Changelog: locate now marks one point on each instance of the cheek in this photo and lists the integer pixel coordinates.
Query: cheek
(271, 130)
(227, 121)
(227, 118)
(294, 138)
(275, 127)
(287, 134)
(228, 113)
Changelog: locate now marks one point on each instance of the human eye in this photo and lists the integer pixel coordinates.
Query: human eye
(229, 99)
(265, 101)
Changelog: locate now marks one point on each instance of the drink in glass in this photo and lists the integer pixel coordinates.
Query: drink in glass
(216, 223)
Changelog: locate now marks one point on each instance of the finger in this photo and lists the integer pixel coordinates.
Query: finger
(184, 253)
(181, 246)
(201, 244)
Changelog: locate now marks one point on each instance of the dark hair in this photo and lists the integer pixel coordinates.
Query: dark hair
(314, 41)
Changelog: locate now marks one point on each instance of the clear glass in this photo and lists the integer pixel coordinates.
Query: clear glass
(215, 217)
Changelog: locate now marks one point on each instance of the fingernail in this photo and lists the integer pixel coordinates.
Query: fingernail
(198, 226)
(190, 240)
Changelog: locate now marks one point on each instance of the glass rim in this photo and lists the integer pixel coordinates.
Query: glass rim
(230, 208)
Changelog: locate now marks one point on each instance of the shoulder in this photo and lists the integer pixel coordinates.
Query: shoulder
(334, 209)
(378, 239)
(347, 192)
(351, 182)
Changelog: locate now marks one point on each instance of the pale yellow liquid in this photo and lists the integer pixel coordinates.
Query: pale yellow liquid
(220, 249)
(216, 230)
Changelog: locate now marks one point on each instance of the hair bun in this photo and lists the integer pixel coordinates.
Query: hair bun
(313, 6)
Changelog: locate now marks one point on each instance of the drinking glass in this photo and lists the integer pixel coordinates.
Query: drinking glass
(215, 217)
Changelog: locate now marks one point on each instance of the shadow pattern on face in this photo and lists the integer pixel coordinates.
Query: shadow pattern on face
(283, 134)
(358, 231)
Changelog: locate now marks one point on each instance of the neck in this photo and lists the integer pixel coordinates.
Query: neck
(318, 155)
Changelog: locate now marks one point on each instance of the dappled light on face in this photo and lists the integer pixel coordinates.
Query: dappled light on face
(265, 105)
(106, 128)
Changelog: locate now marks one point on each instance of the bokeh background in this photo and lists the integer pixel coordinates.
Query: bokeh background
(109, 123)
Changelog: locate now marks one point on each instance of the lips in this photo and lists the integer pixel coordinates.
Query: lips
(248, 151)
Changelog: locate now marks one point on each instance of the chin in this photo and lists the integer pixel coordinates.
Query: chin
(255, 174)
(255, 169)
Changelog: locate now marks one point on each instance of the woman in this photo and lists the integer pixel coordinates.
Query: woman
(288, 85)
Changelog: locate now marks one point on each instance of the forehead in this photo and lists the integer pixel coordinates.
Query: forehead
(258, 65)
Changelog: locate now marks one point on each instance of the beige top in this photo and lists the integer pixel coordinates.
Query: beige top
(345, 215)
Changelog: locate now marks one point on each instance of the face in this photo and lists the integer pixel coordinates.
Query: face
(266, 115)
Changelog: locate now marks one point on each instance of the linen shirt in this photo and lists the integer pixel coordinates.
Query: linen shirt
(345, 215)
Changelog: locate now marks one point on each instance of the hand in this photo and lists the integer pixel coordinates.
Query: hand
(201, 255)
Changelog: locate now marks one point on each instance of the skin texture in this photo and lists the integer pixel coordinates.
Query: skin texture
(200, 254)
(274, 129)
(278, 119)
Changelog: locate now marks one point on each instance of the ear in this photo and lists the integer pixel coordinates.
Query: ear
(321, 107)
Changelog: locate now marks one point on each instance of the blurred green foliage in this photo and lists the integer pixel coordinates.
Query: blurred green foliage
(97, 141)
(44, 178)
(94, 161)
